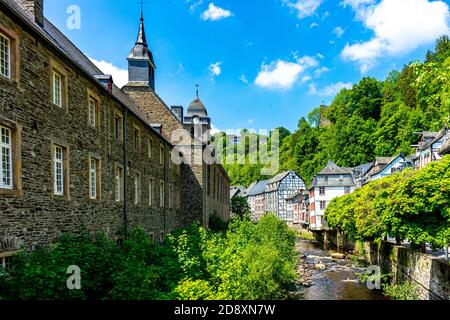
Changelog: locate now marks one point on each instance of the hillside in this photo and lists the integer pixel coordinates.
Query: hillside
(374, 118)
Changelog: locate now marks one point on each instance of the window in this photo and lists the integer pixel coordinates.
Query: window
(94, 179)
(57, 89)
(118, 127)
(326, 178)
(137, 189)
(170, 197)
(151, 192)
(137, 138)
(94, 113)
(323, 205)
(152, 236)
(58, 162)
(161, 236)
(161, 154)
(347, 190)
(6, 170)
(161, 194)
(322, 191)
(5, 56)
(150, 147)
(118, 184)
(5, 263)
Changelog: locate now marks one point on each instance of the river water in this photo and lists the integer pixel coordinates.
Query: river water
(337, 281)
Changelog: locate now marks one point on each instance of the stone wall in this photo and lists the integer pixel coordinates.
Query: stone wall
(205, 187)
(31, 214)
(431, 275)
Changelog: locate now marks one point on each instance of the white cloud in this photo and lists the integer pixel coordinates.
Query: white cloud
(319, 72)
(215, 13)
(282, 74)
(215, 130)
(355, 4)
(339, 31)
(306, 79)
(215, 69)
(304, 8)
(330, 90)
(193, 4)
(400, 26)
(120, 76)
(243, 78)
(320, 56)
(313, 25)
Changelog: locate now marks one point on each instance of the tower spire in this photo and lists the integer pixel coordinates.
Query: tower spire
(197, 85)
(141, 66)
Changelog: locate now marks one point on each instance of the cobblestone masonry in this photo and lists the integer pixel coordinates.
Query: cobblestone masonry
(31, 214)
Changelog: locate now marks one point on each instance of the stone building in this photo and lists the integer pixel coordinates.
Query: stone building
(77, 151)
(204, 181)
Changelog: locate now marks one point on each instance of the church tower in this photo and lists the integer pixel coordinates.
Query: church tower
(141, 67)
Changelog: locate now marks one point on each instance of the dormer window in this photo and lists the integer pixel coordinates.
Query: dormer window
(5, 56)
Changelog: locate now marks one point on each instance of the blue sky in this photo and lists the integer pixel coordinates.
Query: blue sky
(260, 63)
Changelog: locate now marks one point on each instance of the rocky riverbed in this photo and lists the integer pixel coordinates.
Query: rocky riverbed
(327, 275)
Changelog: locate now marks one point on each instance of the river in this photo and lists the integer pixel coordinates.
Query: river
(337, 280)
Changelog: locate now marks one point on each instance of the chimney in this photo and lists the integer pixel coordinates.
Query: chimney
(36, 7)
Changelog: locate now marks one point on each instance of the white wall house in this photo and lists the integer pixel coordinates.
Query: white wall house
(331, 182)
(397, 164)
(429, 147)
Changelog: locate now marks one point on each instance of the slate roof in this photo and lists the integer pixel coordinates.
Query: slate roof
(332, 168)
(249, 189)
(236, 190)
(258, 189)
(278, 177)
(384, 160)
(363, 168)
(66, 48)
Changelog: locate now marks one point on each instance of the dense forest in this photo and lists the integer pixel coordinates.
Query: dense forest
(374, 118)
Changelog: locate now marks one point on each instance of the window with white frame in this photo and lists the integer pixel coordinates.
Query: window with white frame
(161, 194)
(58, 163)
(118, 184)
(6, 179)
(57, 89)
(93, 112)
(322, 191)
(323, 205)
(5, 263)
(137, 188)
(94, 179)
(5, 56)
(151, 192)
